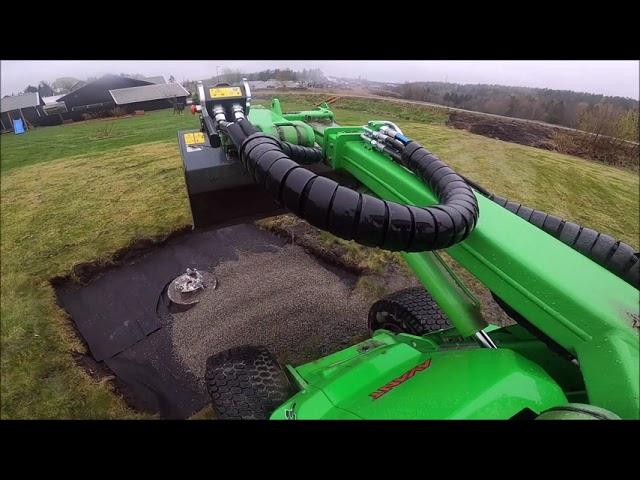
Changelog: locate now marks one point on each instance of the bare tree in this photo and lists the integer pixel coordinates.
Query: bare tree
(44, 89)
(63, 85)
(611, 134)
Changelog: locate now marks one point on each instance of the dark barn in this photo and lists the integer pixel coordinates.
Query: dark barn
(150, 97)
(158, 79)
(27, 107)
(95, 97)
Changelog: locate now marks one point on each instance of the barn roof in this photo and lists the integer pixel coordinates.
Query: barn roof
(52, 99)
(79, 84)
(16, 102)
(105, 79)
(157, 80)
(122, 96)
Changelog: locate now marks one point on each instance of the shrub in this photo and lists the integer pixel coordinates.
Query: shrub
(117, 112)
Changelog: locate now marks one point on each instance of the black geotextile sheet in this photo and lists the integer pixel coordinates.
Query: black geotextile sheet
(117, 314)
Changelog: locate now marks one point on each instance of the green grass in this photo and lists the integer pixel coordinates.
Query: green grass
(70, 196)
(43, 144)
(74, 208)
(589, 193)
(358, 111)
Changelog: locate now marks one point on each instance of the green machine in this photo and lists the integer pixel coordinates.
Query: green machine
(573, 292)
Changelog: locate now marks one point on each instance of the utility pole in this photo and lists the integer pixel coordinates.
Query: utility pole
(217, 74)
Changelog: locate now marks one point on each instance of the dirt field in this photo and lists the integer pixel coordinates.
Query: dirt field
(544, 136)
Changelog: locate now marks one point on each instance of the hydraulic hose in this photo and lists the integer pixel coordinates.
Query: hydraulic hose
(301, 154)
(355, 216)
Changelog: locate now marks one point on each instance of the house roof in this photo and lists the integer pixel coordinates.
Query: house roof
(17, 102)
(76, 86)
(157, 80)
(105, 78)
(52, 99)
(123, 96)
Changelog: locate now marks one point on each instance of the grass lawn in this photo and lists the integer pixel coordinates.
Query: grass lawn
(68, 197)
(94, 136)
(77, 193)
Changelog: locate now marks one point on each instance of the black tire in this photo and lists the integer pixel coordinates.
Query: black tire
(412, 310)
(246, 383)
(577, 411)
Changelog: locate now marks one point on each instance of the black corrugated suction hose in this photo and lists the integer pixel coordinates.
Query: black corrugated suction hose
(301, 154)
(360, 217)
(240, 130)
(616, 256)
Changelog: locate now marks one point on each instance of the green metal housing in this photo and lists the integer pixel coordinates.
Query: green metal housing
(459, 382)
(580, 305)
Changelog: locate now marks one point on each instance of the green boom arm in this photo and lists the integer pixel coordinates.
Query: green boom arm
(571, 299)
(577, 303)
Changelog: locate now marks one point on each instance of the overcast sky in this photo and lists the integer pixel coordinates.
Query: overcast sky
(603, 77)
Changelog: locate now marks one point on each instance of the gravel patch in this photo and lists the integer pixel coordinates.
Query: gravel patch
(285, 300)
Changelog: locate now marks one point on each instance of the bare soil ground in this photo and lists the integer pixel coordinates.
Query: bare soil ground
(548, 137)
(379, 271)
(539, 136)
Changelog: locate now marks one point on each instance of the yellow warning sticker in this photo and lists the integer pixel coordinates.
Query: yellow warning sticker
(194, 138)
(221, 92)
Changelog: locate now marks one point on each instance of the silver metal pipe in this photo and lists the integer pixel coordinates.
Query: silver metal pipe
(388, 130)
(371, 142)
(203, 108)
(389, 124)
(247, 92)
(368, 135)
(382, 136)
(218, 114)
(380, 147)
(373, 134)
(238, 113)
(485, 340)
(387, 139)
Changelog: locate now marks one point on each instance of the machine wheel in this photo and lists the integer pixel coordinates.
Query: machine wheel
(411, 310)
(246, 383)
(577, 411)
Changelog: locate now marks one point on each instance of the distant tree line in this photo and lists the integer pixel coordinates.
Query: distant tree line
(43, 88)
(235, 76)
(63, 85)
(561, 107)
(610, 134)
(306, 75)
(59, 86)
